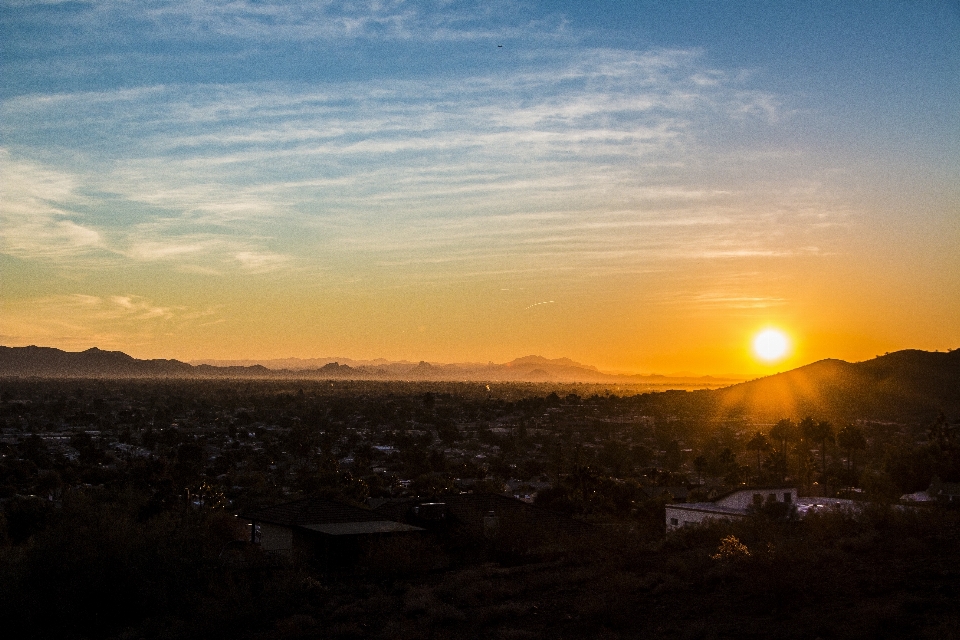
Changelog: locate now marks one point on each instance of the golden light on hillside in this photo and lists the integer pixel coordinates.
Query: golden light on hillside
(771, 345)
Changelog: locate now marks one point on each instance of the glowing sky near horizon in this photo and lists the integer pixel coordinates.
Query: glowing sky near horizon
(635, 186)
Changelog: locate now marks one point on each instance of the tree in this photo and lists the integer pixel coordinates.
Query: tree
(940, 432)
(758, 443)
(775, 465)
(806, 428)
(699, 464)
(851, 439)
(783, 432)
(726, 465)
(822, 433)
(673, 456)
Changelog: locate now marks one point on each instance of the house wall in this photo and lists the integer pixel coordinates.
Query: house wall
(743, 499)
(676, 518)
(275, 538)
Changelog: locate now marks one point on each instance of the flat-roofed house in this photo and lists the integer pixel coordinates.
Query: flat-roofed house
(330, 531)
(729, 506)
(470, 520)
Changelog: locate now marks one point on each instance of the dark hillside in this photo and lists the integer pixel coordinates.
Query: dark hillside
(904, 384)
(50, 362)
(47, 362)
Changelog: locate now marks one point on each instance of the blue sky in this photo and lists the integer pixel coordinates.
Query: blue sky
(410, 179)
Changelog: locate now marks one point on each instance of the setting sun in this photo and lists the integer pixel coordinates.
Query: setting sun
(771, 345)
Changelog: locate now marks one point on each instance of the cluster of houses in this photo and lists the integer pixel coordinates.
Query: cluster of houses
(335, 534)
(741, 502)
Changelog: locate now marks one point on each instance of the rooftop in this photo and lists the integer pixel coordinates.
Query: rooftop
(312, 511)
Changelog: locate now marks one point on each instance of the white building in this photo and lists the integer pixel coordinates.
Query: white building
(729, 506)
(737, 503)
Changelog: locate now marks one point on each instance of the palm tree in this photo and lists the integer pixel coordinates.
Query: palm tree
(851, 438)
(783, 432)
(726, 462)
(758, 443)
(806, 428)
(699, 464)
(821, 432)
(824, 436)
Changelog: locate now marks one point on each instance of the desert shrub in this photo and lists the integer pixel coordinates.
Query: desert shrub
(730, 548)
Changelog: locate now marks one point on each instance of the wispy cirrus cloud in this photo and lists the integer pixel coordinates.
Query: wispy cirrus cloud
(35, 212)
(732, 301)
(45, 215)
(139, 308)
(600, 157)
(217, 254)
(213, 21)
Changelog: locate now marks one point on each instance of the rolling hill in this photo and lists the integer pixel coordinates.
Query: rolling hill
(896, 385)
(50, 362)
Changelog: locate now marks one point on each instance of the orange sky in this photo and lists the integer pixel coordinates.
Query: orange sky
(639, 200)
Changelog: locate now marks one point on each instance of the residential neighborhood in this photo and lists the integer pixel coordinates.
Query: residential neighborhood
(277, 508)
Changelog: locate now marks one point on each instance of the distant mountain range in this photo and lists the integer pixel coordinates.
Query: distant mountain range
(900, 385)
(527, 368)
(50, 362)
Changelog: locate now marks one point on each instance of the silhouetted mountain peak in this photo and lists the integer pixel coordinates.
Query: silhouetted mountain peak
(47, 361)
(908, 383)
(335, 367)
(540, 361)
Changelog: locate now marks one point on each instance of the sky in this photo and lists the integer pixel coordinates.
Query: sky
(640, 186)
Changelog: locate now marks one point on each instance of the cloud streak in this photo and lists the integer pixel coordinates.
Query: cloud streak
(36, 219)
(296, 20)
(600, 156)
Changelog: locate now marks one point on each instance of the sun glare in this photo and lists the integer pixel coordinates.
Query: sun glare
(771, 345)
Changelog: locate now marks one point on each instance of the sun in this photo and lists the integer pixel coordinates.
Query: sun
(771, 345)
